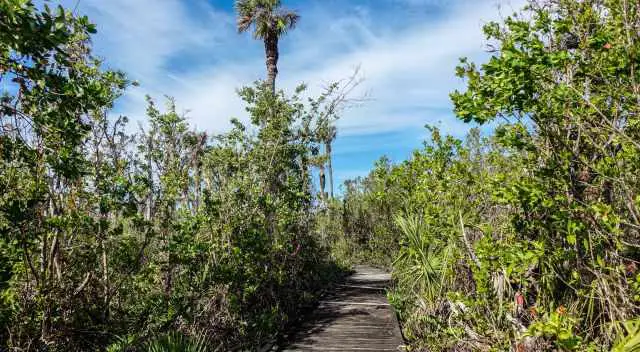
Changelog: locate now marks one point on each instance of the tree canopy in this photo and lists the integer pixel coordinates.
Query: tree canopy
(523, 237)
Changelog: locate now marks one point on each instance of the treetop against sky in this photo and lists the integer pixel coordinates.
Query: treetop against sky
(407, 51)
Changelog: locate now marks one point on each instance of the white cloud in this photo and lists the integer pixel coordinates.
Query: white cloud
(141, 36)
(409, 73)
(144, 37)
(408, 69)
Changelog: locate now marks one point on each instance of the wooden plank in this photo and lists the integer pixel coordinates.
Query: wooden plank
(356, 316)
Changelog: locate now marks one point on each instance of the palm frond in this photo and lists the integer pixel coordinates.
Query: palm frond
(420, 262)
(246, 10)
(285, 20)
(629, 341)
(267, 17)
(177, 342)
(244, 23)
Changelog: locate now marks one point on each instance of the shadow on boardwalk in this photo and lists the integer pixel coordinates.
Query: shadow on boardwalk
(355, 316)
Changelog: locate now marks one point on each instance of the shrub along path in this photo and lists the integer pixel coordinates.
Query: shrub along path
(355, 316)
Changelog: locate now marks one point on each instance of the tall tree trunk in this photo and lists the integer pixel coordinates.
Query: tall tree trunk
(105, 279)
(148, 213)
(197, 186)
(305, 172)
(202, 140)
(327, 147)
(322, 182)
(272, 55)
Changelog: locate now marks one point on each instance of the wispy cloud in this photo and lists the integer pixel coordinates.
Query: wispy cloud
(183, 48)
(407, 51)
(144, 36)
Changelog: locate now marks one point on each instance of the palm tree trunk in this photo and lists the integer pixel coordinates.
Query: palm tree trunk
(271, 51)
(330, 168)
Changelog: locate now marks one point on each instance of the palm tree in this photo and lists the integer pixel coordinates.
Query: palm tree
(270, 21)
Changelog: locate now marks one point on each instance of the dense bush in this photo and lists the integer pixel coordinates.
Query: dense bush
(126, 241)
(168, 239)
(365, 215)
(527, 240)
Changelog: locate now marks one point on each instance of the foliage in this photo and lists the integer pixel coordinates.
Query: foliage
(436, 196)
(630, 340)
(366, 217)
(565, 80)
(176, 342)
(267, 16)
(162, 234)
(526, 240)
(56, 95)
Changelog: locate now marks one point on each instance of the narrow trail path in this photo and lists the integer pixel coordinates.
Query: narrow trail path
(355, 316)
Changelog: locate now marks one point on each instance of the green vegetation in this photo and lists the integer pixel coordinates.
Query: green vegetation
(154, 240)
(524, 239)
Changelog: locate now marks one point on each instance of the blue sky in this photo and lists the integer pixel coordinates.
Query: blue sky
(407, 51)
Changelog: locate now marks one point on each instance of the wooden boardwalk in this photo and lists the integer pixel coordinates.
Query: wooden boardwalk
(354, 317)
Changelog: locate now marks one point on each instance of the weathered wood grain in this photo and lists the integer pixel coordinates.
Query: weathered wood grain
(355, 316)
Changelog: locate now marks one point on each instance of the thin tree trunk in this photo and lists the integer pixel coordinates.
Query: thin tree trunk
(198, 170)
(197, 186)
(330, 168)
(305, 172)
(105, 281)
(46, 314)
(322, 182)
(271, 51)
(148, 213)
